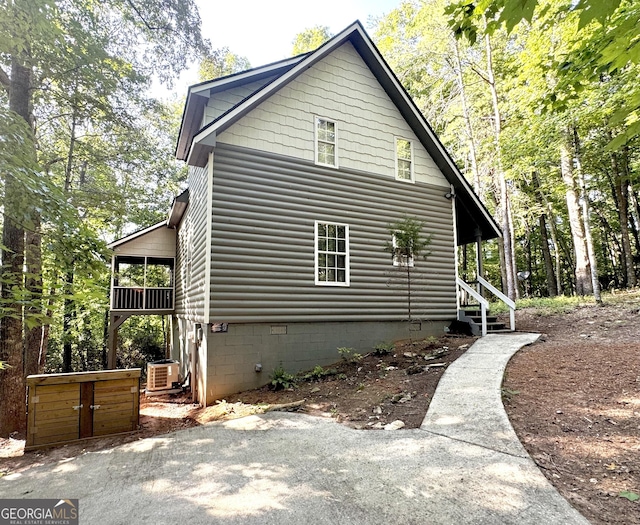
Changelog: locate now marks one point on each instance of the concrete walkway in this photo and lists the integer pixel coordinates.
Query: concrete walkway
(464, 466)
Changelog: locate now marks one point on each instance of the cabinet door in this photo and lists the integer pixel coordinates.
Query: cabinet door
(115, 406)
(56, 414)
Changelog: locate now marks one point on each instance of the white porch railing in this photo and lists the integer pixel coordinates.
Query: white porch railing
(484, 304)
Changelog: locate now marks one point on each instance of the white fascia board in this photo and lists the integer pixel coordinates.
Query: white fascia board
(249, 103)
(135, 235)
(411, 105)
(203, 89)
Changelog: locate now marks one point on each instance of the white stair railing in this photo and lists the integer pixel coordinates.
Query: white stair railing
(484, 304)
(504, 299)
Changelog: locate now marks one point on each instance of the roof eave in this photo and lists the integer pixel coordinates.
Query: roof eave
(135, 235)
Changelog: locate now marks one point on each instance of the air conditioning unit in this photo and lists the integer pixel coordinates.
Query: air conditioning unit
(162, 375)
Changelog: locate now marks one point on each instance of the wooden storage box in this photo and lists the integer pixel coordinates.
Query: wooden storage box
(63, 408)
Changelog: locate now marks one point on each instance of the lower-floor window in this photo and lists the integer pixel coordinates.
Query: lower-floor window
(332, 254)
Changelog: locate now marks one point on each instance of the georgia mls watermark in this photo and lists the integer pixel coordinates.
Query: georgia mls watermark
(38, 512)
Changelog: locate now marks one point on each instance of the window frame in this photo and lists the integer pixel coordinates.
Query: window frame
(411, 160)
(316, 122)
(396, 258)
(317, 253)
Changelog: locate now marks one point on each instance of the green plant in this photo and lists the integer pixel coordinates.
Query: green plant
(383, 348)
(349, 354)
(508, 394)
(281, 379)
(318, 373)
(631, 496)
(407, 244)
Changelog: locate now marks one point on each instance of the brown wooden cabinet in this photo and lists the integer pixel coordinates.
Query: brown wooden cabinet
(69, 407)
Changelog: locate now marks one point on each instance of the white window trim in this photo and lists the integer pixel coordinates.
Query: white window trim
(347, 278)
(317, 118)
(395, 155)
(396, 259)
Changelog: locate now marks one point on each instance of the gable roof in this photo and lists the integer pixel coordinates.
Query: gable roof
(472, 218)
(136, 234)
(199, 94)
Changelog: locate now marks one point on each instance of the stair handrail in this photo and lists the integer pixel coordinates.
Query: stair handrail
(484, 304)
(504, 299)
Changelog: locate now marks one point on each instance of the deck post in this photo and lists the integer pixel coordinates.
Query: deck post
(115, 320)
(479, 268)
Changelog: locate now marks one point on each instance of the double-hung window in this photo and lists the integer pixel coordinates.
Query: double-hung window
(402, 256)
(332, 254)
(404, 159)
(326, 142)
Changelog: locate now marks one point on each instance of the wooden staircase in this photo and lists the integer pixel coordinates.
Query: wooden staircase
(472, 314)
(477, 315)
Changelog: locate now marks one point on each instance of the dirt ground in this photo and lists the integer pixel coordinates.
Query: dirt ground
(573, 399)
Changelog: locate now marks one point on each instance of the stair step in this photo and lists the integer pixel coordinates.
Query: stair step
(478, 319)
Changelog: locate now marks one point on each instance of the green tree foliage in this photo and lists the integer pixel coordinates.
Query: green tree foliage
(310, 39)
(606, 42)
(221, 62)
(408, 244)
(556, 91)
(87, 145)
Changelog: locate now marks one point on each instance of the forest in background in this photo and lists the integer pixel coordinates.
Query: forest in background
(540, 115)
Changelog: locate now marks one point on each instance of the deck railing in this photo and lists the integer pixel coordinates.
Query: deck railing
(125, 298)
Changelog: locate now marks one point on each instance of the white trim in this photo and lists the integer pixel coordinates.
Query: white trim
(347, 280)
(197, 89)
(137, 234)
(397, 262)
(455, 240)
(307, 61)
(352, 31)
(316, 121)
(411, 178)
(208, 242)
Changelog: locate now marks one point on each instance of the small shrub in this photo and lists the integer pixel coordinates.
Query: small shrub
(318, 373)
(281, 379)
(383, 349)
(349, 355)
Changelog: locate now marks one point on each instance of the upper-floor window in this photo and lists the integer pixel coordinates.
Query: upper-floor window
(404, 159)
(326, 142)
(332, 254)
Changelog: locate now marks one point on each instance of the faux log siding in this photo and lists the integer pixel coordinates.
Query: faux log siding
(223, 101)
(190, 292)
(264, 210)
(340, 87)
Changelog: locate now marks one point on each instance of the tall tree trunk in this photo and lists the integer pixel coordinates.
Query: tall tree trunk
(624, 203)
(501, 183)
(582, 270)
(12, 384)
(68, 317)
(467, 120)
(584, 199)
(635, 217)
(33, 284)
(552, 286)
